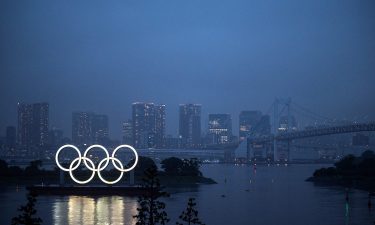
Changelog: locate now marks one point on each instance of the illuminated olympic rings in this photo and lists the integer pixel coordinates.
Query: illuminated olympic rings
(91, 166)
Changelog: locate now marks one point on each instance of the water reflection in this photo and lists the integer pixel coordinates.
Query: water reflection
(274, 195)
(87, 210)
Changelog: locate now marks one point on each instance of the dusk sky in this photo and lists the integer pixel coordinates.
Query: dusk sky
(229, 56)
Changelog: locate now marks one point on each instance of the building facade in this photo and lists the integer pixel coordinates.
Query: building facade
(148, 125)
(81, 128)
(219, 129)
(89, 128)
(33, 123)
(190, 125)
(160, 126)
(127, 132)
(248, 120)
(100, 129)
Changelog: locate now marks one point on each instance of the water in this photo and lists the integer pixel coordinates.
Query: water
(271, 195)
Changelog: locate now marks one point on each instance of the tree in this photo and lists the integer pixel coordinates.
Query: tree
(346, 164)
(325, 172)
(3, 167)
(172, 165)
(34, 168)
(151, 211)
(191, 167)
(190, 215)
(15, 171)
(366, 167)
(143, 164)
(368, 154)
(28, 212)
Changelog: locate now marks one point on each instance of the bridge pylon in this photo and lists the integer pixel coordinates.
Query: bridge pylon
(277, 111)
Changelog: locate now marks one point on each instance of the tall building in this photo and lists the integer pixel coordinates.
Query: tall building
(11, 137)
(248, 120)
(33, 122)
(143, 124)
(160, 126)
(81, 128)
(127, 131)
(148, 125)
(100, 129)
(40, 124)
(219, 129)
(25, 119)
(190, 125)
(89, 128)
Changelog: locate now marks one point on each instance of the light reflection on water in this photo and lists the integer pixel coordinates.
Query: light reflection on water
(87, 210)
(272, 195)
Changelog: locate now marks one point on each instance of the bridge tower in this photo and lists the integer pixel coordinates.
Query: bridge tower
(286, 104)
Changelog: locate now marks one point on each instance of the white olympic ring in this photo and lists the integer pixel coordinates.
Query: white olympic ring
(91, 166)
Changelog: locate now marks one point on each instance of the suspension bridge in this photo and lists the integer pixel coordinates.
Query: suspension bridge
(284, 134)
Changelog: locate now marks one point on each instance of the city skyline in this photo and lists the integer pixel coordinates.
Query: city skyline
(90, 115)
(228, 60)
(117, 132)
(171, 112)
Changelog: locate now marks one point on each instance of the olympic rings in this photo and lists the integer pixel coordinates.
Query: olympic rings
(91, 166)
(71, 171)
(106, 153)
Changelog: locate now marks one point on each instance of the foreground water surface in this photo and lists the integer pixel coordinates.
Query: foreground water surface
(267, 195)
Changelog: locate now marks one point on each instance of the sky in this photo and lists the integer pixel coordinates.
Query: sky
(229, 56)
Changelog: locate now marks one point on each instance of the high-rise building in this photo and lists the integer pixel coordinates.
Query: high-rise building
(248, 120)
(219, 129)
(127, 131)
(172, 142)
(148, 125)
(100, 129)
(190, 125)
(33, 122)
(25, 119)
(81, 128)
(40, 124)
(11, 137)
(160, 126)
(143, 124)
(89, 128)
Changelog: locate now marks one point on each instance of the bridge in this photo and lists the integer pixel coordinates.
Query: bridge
(289, 132)
(351, 128)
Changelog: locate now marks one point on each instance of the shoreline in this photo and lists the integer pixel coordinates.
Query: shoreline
(360, 183)
(165, 180)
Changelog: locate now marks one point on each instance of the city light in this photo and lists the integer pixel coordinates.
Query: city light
(77, 161)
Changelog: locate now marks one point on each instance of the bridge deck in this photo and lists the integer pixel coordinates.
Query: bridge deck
(352, 128)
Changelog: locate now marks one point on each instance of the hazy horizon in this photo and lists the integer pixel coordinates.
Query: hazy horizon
(226, 55)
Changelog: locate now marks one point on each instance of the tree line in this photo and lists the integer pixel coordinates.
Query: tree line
(351, 166)
(150, 211)
(171, 166)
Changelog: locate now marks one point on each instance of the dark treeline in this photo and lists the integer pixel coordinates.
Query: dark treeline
(351, 166)
(187, 169)
(351, 171)
(33, 169)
